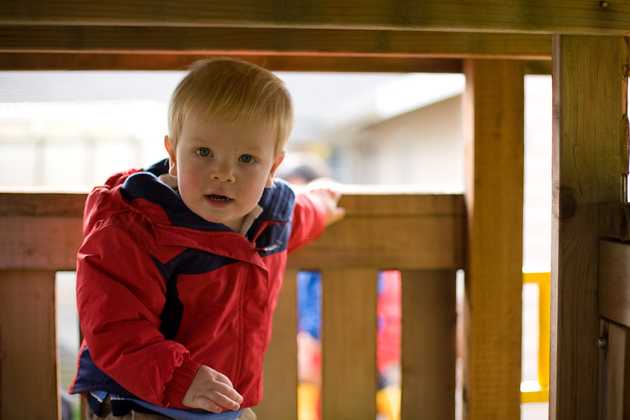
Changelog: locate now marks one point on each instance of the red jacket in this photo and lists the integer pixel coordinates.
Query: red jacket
(161, 291)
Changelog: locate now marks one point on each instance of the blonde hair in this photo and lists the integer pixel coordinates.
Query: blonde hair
(234, 90)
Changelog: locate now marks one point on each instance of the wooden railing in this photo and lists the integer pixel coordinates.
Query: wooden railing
(420, 235)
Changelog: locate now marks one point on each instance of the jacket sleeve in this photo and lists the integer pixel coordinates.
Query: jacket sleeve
(308, 221)
(120, 296)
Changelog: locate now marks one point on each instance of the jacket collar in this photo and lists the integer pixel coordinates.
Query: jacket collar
(141, 187)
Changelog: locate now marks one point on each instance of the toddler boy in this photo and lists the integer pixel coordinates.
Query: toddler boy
(181, 264)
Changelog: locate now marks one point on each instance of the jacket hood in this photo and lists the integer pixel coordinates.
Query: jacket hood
(142, 191)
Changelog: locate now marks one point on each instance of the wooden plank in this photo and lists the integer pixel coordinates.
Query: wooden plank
(138, 61)
(271, 41)
(617, 387)
(28, 357)
(588, 163)
(39, 243)
(480, 15)
(41, 204)
(433, 224)
(494, 102)
(412, 242)
(614, 282)
(428, 345)
(348, 344)
(422, 233)
(280, 369)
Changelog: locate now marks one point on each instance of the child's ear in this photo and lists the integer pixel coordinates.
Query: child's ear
(276, 163)
(169, 145)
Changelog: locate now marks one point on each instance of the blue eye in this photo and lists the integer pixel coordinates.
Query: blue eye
(202, 152)
(246, 158)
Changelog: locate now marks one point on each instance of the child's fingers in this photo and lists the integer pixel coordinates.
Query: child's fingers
(206, 404)
(225, 402)
(227, 391)
(219, 377)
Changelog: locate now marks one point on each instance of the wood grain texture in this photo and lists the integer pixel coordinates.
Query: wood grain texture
(428, 345)
(614, 282)
(142, 61)
(423, 233)
(280, 369)
(28, 345)
(614, 221)
(617, 374)
(41, 204)
(39, 243)
(588, 146)
(348, 344)
(271, 41)
(481, 15)
(43, 231)
(493, 111)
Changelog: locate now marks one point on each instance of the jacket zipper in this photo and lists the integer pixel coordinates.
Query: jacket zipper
(239, 359)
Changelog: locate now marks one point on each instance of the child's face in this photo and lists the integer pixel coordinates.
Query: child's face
(222, 167)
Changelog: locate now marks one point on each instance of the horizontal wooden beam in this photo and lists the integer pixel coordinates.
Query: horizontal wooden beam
(614, 282)
(406, 231)
(125, 61)
(271, 41)
(561, 16)
(421, 232)
(91, 61)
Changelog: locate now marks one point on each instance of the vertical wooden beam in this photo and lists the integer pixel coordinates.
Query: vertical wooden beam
(280, 369)
(588, 162)
(617, 372)
(428, 345)
(493, 112)
(349, 344)
(28, 345)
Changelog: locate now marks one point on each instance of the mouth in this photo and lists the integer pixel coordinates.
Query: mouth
(218, 198)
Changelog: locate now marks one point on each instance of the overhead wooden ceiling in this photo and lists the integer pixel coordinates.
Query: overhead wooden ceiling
(328, 35)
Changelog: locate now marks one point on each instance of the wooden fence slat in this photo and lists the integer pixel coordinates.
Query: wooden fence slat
(494, 109)
(280, 369)
(28, 345)
(589, 143)
(428, 345)
(349, 344)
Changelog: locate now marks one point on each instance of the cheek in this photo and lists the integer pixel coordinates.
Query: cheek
(189, 178)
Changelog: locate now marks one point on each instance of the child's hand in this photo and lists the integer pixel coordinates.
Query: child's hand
(326, 195)
(212, 391)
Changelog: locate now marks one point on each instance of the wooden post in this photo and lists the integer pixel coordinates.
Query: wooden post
(28, 345)
(428, 345)
(280, 370)
(588, 162)
(493, 112)
(349, 344)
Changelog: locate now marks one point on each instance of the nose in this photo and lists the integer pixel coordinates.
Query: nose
(222, 172)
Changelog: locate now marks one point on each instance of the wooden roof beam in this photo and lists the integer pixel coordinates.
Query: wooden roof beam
(128, 61)
(559, 16)
(272, 41)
